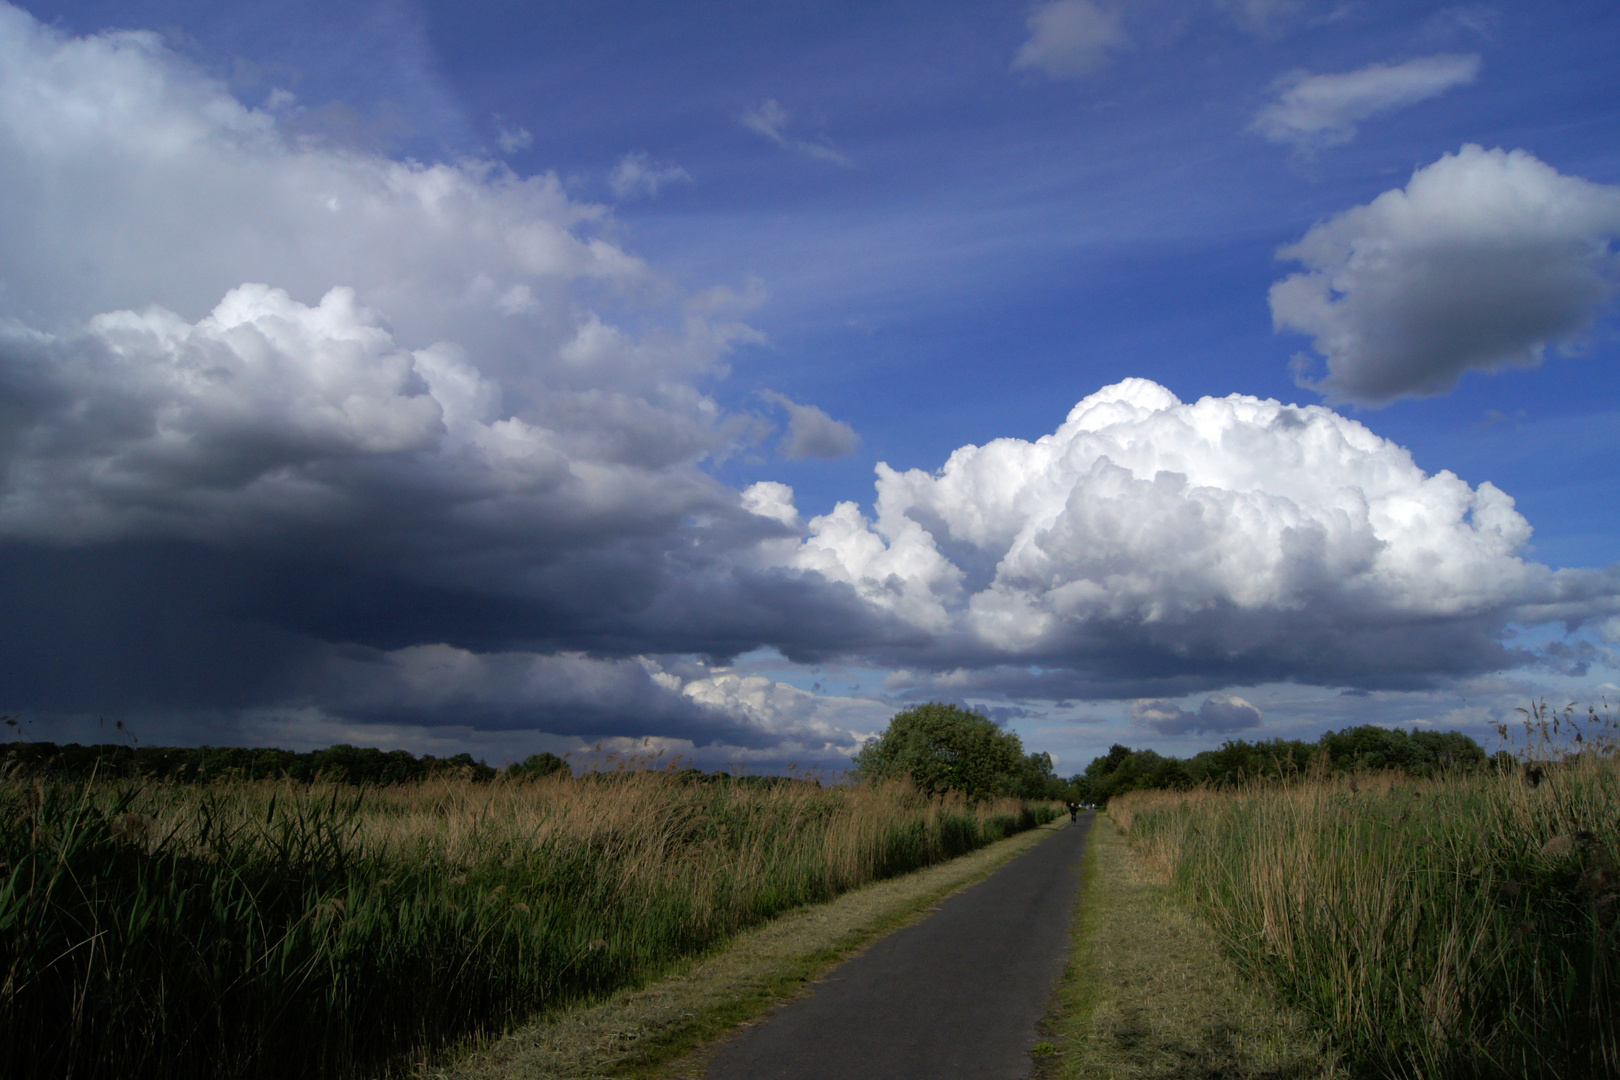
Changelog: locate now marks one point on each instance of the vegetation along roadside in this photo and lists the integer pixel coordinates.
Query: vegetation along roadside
(665, 1029)
(1461, 925)
(278, 929)
(1148, 993)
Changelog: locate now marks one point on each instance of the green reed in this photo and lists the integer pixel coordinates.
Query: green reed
(1459, 927)
(264, 930)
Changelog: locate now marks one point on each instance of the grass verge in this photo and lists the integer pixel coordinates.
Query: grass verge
(665, 1030)
(1149, 995)
(278, 931)
(1463, 926)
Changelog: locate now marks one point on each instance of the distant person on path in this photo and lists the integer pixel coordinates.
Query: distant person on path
(1074, 812)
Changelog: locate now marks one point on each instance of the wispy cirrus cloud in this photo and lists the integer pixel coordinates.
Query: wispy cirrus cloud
(771, 120)
(638, 176)
(811, 432)
(512, 138)
(1316, 111)
(1070, 38)
(1265, 18)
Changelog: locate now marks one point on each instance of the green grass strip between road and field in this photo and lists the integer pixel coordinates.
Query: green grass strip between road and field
(667, 1029)
(1148, 994)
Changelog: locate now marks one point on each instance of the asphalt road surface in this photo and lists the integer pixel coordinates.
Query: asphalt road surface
(955, 995)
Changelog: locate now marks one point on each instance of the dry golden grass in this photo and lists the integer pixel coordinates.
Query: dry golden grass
(275, 929)
(657, 830)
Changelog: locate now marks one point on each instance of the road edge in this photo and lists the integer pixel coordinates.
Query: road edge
(668, 1029)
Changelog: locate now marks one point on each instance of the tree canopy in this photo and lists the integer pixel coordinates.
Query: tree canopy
(948, 748)
(535, 766)
(1367, 748)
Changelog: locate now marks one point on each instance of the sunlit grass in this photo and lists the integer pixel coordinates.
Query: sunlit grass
(1148, 994)
(264, 929)
(1461, 926)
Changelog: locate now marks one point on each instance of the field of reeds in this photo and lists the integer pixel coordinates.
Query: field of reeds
(1461, 926)
(274, 929)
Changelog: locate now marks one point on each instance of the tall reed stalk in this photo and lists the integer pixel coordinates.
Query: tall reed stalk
(277, 930)
(1464, 926)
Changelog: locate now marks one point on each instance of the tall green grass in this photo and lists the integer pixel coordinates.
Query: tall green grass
(1456, 927)
(265, 930)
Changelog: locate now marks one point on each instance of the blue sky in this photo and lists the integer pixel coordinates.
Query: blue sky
(768, 245)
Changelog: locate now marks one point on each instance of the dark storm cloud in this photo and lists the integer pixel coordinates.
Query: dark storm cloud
(1574, 659)
(1115, 661)
(144, 625)
(269, 405)
(1217, 715)
(561, 694)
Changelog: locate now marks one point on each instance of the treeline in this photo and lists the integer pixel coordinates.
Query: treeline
(341, 764)
(1358, 749)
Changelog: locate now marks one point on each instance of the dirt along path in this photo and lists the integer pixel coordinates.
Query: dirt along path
(955, 995)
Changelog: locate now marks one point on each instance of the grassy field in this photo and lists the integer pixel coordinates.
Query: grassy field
(279, 930)
(1149, 995)
(1462, 926)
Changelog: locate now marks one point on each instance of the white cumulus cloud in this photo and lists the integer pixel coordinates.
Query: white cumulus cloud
(819, 724)
(142, 418)
(205, 318)
(1323, 110)
(771, 499)
(1068, 38)
(571, 694)
(1482, 261)
(1147, 538)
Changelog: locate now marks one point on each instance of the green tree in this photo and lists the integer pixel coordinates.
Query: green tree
(948, 748)
(1038, 780)
(537, 765)
(1079, 789)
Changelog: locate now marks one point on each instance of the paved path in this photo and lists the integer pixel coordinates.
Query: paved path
(955, 995)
